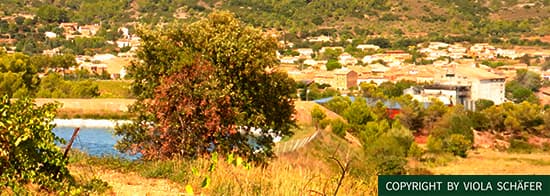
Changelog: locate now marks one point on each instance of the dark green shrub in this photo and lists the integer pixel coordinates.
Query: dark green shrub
(415, 151)
(339, 127)
(458, 145)
(28, 153)
(434, 144)
(520, 146)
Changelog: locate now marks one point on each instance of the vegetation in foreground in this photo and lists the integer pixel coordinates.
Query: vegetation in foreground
(313, 169)
(30, 161)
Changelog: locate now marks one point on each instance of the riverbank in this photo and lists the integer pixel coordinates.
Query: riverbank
(89, 123)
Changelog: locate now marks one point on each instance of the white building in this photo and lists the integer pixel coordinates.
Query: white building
(483, 84)
(448, 94)
(368, 47)
(288, 60)
(347, 59)
(50, 34)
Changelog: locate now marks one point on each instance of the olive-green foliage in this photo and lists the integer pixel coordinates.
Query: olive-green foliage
(370, 90)
(515, 118)
(522, 88)
(18, 76)
(453, 133)
(28, 153)
(338, 104)
(434, 144)
(339, 127)
(333, 64)
(434, 113)
(415, 151)
(412, 113)
(458, 144)
(12, 85)
(520, 145)
(44, 62)
(197, 83)
(317, 115)
(390, 89)
(317, 91)
(358, 113)
(482, 104)
(54, 86)
(389, 150)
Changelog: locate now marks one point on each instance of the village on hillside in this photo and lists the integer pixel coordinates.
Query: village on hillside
(454, 73)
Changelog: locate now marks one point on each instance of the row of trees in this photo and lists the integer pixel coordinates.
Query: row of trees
(19, 77)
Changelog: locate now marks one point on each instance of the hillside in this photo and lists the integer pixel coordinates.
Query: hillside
(346, 18)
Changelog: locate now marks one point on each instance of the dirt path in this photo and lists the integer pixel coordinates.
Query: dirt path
(128, 183)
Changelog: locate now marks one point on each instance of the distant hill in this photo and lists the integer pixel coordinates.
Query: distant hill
(345, 18)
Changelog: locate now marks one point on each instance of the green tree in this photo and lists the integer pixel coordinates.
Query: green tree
(317, 115)
(482, 104)
(338, 104)
(389, 89)
(28, 153)
(18, 75)
(358, 113)
(382, 42)
(434, 113)
(50, 14)
(412, 113)
(333, 64)
(518, 93)
(528, 79)
(389, 150)
(339, 127)
(370, 90)
(207, 87)
(331, 54)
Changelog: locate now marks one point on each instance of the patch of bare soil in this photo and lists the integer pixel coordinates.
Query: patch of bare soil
(485, 139)
(128, 183)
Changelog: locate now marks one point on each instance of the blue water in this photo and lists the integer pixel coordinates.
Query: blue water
(94, 141)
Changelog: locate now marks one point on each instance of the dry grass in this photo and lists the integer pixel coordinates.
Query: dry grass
(485, 161)
(90, 108)
(308, 171)
(304, 108)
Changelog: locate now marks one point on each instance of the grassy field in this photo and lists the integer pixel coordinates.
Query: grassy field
(114, 88)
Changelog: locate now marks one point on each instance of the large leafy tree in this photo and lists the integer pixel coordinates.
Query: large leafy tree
(205, 87)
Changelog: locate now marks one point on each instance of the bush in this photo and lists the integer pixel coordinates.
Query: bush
(389, 151)
(434, 144)
(387, 155)
(520, 146)
(28, 153)
(324, 123)
(339, 127)
(415, 151)
(457, 144)
(317, 115)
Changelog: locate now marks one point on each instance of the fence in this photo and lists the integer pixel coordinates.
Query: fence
(293, 145)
